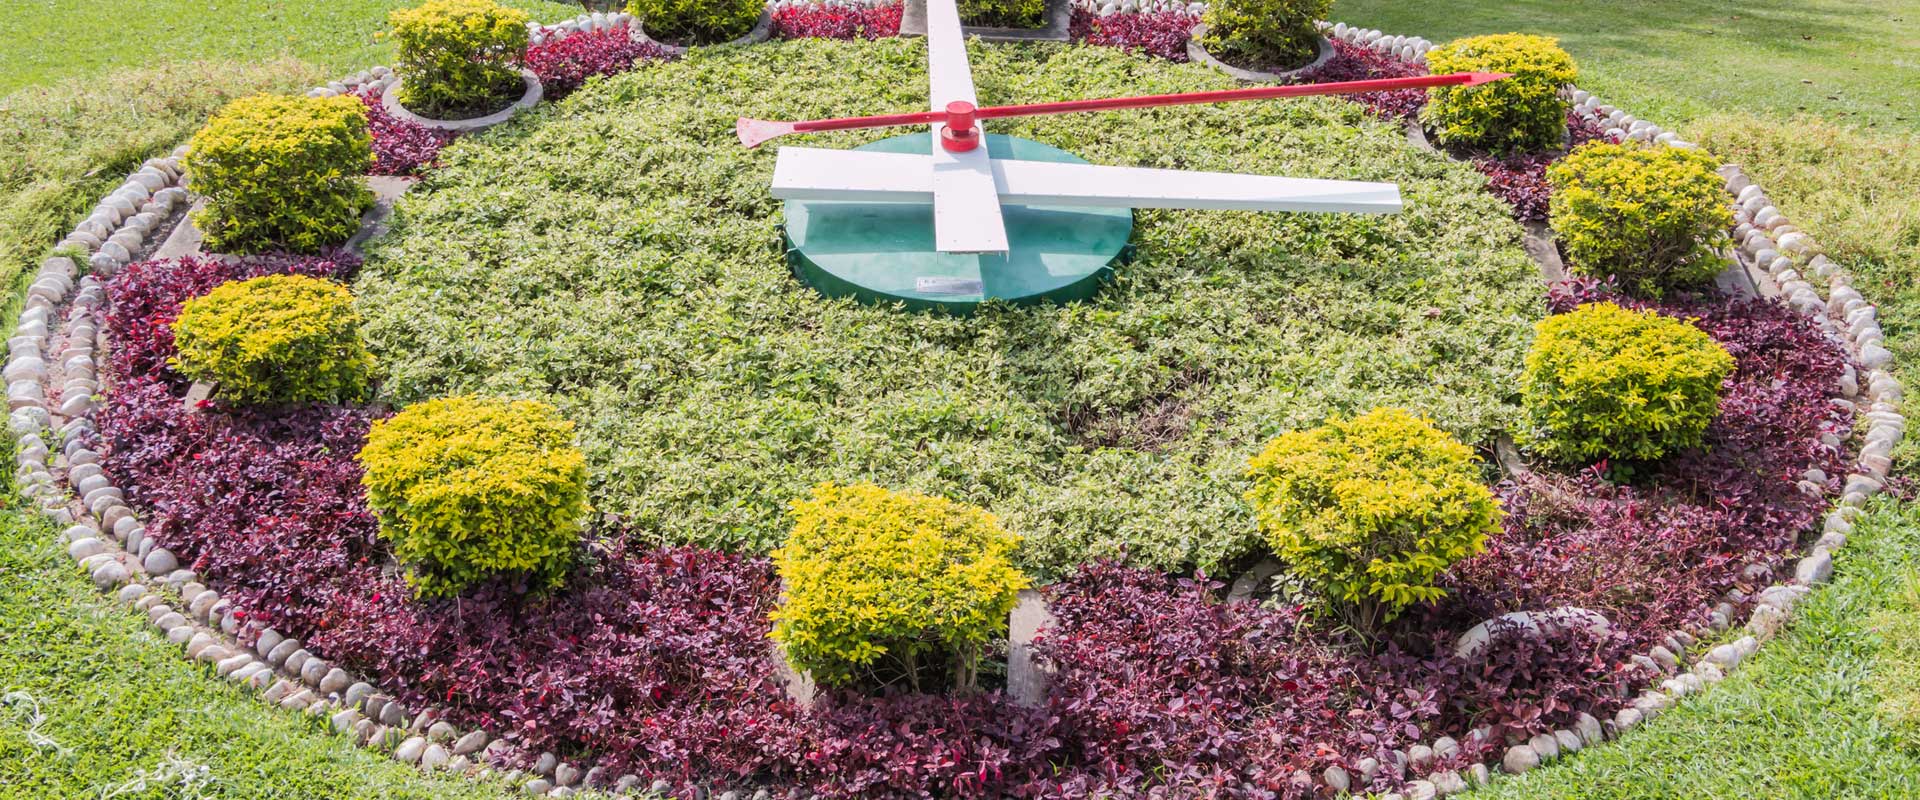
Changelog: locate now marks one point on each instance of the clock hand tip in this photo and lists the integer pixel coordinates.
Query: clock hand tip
(753, 132)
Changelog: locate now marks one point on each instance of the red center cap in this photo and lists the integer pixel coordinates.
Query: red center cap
(960, 134)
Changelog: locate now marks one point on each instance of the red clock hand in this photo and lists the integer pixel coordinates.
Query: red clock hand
(960, 116)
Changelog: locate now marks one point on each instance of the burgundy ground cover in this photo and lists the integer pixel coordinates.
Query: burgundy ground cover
(654, 661)
(400, 147)
(565, 64)
(1162, 34)
(1521, 180)
(822, 21)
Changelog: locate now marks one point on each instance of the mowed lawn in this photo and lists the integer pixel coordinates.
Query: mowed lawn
(44, 41)
(1672, 61)
(88, 88)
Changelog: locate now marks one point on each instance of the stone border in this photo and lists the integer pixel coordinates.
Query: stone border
(54, 432)
(1197, 53)
(1756, 218)
(1058, 28)
(390, 100)
(762, 29)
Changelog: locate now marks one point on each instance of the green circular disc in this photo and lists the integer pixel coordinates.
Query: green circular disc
(883, 252)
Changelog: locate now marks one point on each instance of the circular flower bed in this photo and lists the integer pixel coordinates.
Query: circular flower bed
(614, 256)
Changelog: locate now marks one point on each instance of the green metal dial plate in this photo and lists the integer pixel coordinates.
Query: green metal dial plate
(883, 252)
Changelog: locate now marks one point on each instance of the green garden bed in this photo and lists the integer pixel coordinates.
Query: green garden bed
(617, 255)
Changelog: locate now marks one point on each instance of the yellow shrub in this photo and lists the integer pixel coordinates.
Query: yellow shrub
(1264, 34)
(281, 173)
(1648, 216)
(691, 22)
(1521, 113)
(1371, 510)
(459, 58)
(471, 487)
(275, 339)
(1605, 382)
(872, 573)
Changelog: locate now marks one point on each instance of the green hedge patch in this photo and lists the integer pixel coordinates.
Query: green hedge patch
(617, 255)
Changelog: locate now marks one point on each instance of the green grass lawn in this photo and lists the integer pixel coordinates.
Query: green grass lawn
(1670, 61)
(45, 41)
(98, 704)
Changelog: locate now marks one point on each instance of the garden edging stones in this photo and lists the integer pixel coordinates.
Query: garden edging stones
(762, 29)
(52, 374)
(390, 100)
(1323, 52)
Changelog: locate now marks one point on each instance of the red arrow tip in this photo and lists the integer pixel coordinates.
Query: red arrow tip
(1478, 78)
(752, 132)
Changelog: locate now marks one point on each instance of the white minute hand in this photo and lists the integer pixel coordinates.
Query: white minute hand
(966, 209)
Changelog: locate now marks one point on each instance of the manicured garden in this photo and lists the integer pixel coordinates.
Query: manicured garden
(570, 469)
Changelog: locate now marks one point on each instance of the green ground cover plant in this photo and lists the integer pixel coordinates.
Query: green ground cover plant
(625, 267)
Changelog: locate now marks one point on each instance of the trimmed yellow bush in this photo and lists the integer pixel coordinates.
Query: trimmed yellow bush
(468, 488)
(1371, 510)
(1648, 216)
(275, 339)
(281, 173)
(1605, 382)
(1524, 112)
(696, 22)
(1264, 34)
(459, 59)
(873, 574)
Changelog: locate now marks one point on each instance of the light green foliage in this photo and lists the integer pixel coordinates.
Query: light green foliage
(872, 574)
(697, 21)
(1264, 34)
(1605, 382)
(281, 173)
(1651, 217)
(1371, 510)
(459, 58)
(274, 339)
(472, 487)
(1521, 113)
(624, 267)
(122, 714)
(1004, 13)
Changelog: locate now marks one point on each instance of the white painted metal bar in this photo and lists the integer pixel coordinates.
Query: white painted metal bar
(966, 209)
(812, 174)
